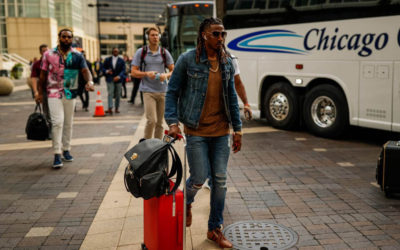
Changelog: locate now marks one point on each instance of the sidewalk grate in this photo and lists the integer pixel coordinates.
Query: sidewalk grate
(260, 235)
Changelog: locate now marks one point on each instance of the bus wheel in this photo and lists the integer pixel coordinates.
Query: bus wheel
(281, 106)
(325, 111)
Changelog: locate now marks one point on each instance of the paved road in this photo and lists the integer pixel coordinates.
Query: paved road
(322, 189)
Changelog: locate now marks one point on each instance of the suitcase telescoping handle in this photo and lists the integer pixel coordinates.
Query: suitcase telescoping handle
(170, 139)
(181, 218)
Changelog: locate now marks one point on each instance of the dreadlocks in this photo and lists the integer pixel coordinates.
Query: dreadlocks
(222, 54)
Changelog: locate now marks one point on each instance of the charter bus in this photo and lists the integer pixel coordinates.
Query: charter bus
(325, 63)
(182, 21)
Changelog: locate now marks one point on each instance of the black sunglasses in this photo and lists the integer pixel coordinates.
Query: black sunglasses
(64, 36)
(216, 34)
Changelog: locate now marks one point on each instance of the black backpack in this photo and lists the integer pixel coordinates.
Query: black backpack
(147, 172)
(144, 54)
(37, 126)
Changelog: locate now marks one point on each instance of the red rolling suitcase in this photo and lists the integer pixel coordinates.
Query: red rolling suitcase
(164, 216)
(163, 222)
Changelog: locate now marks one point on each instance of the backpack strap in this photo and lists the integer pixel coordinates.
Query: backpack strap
(142, 56)
(38, 107)
(176, 168)
(164, 58)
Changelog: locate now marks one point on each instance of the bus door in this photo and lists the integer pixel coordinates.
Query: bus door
(396, 98)
(376, 86)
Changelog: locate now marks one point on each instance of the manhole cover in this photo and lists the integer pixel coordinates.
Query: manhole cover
(260, 235)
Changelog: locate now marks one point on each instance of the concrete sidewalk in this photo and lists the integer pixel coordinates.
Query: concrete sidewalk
(119, 221)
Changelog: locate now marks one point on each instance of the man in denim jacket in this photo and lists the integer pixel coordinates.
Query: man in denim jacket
(201, 94)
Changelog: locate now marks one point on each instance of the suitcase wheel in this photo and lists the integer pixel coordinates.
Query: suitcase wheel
(144, 247)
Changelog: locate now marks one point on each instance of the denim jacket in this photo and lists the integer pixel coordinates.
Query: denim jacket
(187, 91)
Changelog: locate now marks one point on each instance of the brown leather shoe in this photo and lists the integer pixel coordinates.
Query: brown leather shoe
(109, 111)
(188, 215)
(117, 111)
(218, 237)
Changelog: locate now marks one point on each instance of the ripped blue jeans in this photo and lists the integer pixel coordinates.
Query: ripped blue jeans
(208, 155)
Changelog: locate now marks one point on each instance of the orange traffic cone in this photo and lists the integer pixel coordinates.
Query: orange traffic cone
(99, 111)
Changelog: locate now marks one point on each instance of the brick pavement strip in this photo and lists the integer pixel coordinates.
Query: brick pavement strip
(33, 195)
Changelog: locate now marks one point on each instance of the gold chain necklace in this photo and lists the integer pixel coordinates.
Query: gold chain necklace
(214, 70)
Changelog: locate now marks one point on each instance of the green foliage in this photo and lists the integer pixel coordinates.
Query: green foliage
(16, 71)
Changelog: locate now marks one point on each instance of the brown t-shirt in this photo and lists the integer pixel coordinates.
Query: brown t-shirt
(213, 121)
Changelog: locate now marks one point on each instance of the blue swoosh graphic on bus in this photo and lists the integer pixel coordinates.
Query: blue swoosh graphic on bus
(242, 43)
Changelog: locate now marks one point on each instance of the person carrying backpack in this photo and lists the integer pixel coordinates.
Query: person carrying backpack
(150, 64)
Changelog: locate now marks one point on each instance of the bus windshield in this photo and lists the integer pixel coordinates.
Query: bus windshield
(182, 22)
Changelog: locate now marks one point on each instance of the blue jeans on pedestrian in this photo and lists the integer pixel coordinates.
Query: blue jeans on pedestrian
(113, 90)
(208, 154)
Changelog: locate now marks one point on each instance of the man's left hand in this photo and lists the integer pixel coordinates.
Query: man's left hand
(163, 77)
(247, 112)
(237, 142)
(116, 79)
(89, 87)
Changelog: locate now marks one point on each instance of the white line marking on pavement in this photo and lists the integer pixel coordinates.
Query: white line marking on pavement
(319, 149)
(67, 195)
(99, 122)
(74, 142)
(39, 231)
(16, 103)
(300, 139)
(258, 130)
(345, 164)
(21, 87)
(98, 155)
(113, 118)
(85, 171)
(375, 184)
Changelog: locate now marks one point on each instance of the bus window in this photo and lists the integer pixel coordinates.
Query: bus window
(245, 4)
(260, 4)
(230, 4)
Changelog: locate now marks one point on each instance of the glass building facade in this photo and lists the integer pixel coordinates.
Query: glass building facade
(22, 8)
(68, 13)
(128, 13)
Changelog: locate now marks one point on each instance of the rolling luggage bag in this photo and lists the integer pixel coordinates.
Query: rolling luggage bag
(388, 168)
(163, 222)
(164, 217)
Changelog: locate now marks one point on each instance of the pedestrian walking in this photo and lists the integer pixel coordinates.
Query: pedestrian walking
(35, 74)
(126, 78)
(135, 88)
(201, 94)
(241, 91)
(150, 63)
(82, 92)
(114, 70)
(98, 71)
(61, 67)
